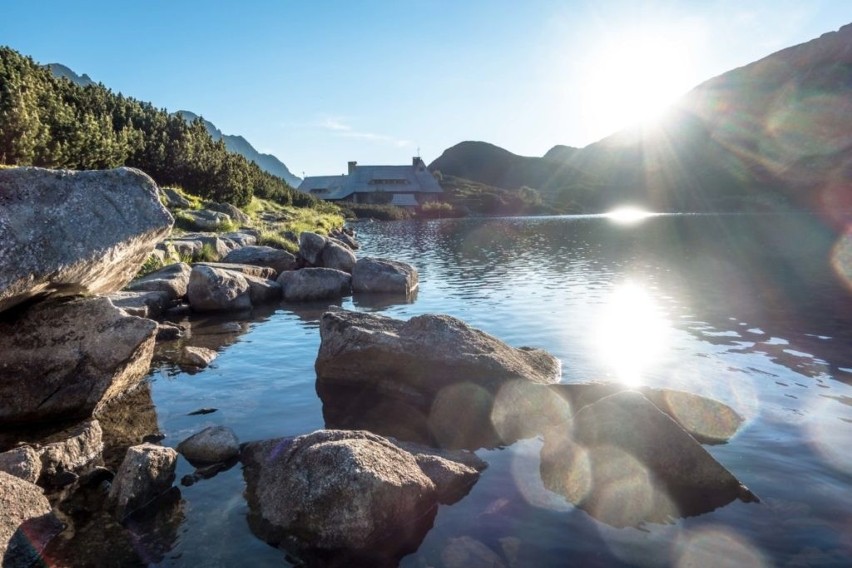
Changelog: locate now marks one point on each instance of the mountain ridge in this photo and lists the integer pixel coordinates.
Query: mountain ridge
(773, 133)
(234, 143)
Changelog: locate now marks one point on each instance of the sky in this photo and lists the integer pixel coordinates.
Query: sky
(318, 83)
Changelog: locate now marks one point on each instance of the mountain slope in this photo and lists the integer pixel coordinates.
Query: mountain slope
(237, 144)
(240, 145)
(776, 131)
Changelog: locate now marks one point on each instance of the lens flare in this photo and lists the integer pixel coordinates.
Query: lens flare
(716, 547)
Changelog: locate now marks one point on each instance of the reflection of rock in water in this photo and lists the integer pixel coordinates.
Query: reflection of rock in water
(126, 422)
(459, 421)
(626, 462)
(377, 302)
(94, 538)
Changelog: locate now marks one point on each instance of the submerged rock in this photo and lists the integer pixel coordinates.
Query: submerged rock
(423, 356)
(339, 498)
(310, 284)
(62, 359)
(379, 275)
(211, 445)
(199, 357)
(626, 462)
(68, 233)
(70, 450)
(146, 473)
(26, 522)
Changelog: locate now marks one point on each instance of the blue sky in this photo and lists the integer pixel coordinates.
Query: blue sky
(318, 83)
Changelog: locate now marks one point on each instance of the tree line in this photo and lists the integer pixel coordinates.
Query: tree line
(53, 123)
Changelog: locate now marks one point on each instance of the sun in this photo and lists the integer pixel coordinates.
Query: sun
(631, 78)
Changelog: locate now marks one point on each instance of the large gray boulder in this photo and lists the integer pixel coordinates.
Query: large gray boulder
(310, 284)
(172, 279)
(310, 247)
(422, 356)
(380, 275)
(63, 359)
(337, 256)
(204, 219)
(263, 290)
(69, 233)
(26, 522)
(146, 473)
(213, 289)
(277, 259)
(345, 493)
(231, 210)
(244, 269)
(141, 304)
(211, 445)
(626, 462)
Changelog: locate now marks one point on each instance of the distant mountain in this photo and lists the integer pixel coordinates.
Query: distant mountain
(773, 133)
(60, 70)
(481, 162)
(237, 144)
(240, 145)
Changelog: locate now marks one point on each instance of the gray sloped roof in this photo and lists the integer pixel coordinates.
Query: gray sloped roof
(326, 187)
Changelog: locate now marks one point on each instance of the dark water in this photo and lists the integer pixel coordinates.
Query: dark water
(754, 311)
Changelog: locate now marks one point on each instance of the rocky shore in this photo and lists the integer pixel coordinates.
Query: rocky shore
(80, 455)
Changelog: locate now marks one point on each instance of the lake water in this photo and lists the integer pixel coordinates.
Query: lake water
(755, 311)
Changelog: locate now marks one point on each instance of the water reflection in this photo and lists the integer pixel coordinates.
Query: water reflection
(633, 332)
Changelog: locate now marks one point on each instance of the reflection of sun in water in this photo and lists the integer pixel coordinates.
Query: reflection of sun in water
(632, 334)
(628, 215)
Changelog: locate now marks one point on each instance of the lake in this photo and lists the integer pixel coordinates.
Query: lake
(751, 310)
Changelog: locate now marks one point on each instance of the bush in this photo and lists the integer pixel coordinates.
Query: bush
(378, 212)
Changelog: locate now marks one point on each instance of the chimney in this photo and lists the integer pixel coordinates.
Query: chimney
(352, 167)
(417, 162)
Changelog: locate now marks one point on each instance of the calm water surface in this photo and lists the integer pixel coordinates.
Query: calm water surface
(751, 310)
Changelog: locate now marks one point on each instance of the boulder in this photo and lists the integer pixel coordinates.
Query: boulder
(141, 304)
(345, 238)
(211, 445)
(199, 357)
(70, 450)
(26, 522)
(172, 280)
(244, 269)
(263, 290)
(213, 289)
(243, 238)
(314, 284)
(146, 473)
(232, 211)
(337, 256)
(382, 275)
(174, 199)
(277, 259)
(310, 247)
(23, 462)
(350, 495)
(185, 248)
(423, 356)
(204, 219)
(708, 421)
(626, 462)
(63, 359)
(454, 472)
(68, 233)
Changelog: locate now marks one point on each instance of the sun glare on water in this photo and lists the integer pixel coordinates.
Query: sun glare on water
(633, 333)
(628, 215)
